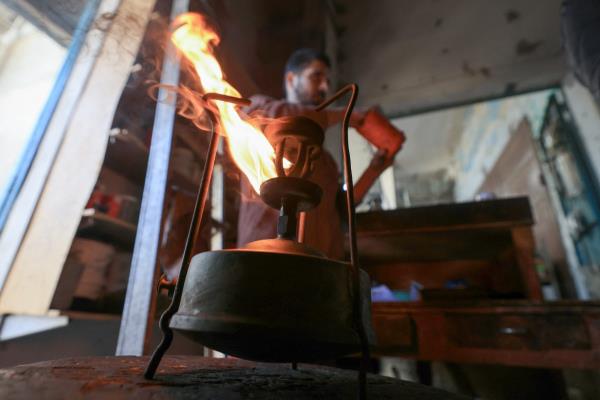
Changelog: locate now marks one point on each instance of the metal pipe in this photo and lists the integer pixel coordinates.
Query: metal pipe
(301, 227)
(138, 312)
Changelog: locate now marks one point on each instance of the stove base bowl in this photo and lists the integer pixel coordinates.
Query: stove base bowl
(274, 307)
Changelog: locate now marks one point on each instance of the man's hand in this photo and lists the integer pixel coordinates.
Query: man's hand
(357, 118)
(378, 130)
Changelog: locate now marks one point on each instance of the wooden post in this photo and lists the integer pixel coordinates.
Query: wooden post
(524, 245)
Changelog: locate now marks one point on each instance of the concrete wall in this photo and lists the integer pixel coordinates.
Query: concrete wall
(431, 141)
(453, 149)
(424, 170)
(487, 128)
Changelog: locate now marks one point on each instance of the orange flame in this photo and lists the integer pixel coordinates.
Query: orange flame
(249, 148)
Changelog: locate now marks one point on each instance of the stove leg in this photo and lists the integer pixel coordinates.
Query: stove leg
(362, 385)
(164, 345)
(364, 367)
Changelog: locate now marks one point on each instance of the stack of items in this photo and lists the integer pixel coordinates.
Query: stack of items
(94, 277)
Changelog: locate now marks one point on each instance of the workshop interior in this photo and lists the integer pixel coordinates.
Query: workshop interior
(301, 199)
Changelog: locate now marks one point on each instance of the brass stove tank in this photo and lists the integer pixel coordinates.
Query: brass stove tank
(276, 299)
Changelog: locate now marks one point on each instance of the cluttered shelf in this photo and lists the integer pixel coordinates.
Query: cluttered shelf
(96, 269)
(99, 225)
(127, 155)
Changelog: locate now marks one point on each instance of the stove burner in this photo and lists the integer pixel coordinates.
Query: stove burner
(290, 196)
(275, 299)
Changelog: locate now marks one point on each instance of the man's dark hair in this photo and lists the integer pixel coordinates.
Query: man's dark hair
(302, 57)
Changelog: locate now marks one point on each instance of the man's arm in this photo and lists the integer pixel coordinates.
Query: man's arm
(379, 163)
(388, 139)
(271, 108)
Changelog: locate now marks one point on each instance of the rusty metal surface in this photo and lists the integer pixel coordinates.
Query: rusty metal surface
(187, 377)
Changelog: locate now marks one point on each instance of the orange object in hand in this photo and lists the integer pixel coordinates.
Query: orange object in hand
(378, 130)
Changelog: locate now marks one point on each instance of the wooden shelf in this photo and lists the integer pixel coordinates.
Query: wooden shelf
(192, 137)
(97, 225)
(128, 156)
(445, 232)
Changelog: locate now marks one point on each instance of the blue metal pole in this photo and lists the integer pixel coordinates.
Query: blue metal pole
(138, 313)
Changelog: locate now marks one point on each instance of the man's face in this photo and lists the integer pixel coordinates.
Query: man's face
(310, 86)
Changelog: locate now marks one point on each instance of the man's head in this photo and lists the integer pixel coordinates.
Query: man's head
(306, 78)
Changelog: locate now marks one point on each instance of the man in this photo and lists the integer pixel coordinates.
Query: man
(307, 84)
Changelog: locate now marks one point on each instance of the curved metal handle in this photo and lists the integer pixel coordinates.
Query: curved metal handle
(240, 101)
(192, 235)
(353, 89)
(357, 312)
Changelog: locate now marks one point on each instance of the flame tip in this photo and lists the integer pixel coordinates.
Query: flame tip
(195, 38)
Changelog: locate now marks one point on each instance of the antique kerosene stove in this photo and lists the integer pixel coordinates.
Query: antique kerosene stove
(275, 300)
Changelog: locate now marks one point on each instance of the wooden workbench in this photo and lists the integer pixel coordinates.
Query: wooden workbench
(489, 243)
(490, 246)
